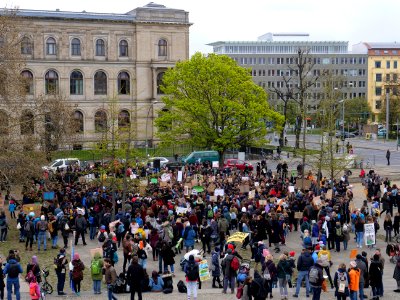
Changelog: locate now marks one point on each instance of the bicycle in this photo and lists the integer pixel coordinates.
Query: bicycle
(45, 286)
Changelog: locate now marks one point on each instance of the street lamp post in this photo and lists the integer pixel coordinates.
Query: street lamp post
(147, 122)
(387, 114)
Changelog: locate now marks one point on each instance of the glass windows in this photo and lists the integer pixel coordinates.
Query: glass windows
(100, 121)
(378, 91)
(27, 123)
(123, 83)
(26, 46)
(123, 48)
(378, 77)
(123, 119)
(51, 46)
(51, 82)
(75, 47)
(76, 83)
(160, 82)
(78, 121)
(395, 64)
(388, 64)
(377, 64)
(100, 48)
(100, 83)
(27, 77)
(162, 47)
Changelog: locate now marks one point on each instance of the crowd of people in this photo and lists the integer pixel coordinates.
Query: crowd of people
(205, 205)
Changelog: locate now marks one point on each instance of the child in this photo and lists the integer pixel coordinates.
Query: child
(34, 289)
(11, 208)
(293, 266)
(96, 270)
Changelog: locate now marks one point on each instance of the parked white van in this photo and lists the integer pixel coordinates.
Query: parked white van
(62, 163)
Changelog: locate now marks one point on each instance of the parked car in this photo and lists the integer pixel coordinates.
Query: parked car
(163, 161)
(339, 134)
(239, 164)
(382, 132)
(62, 163)
(174, 165)
(201, 156)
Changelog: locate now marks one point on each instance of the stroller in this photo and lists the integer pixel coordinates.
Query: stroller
(393, 251)
(244, 271)
(198, 256)
(120, 286)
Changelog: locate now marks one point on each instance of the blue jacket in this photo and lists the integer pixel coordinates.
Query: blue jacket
(156, 286)
(189, 240)
(315, 230)
(6, 269)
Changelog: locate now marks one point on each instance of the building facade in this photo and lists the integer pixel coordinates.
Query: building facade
(90, 59)
(273, 55)
(383, 73)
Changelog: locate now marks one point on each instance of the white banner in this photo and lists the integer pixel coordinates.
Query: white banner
(369, 235)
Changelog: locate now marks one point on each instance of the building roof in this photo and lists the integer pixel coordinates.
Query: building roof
(373, 45)
(151, 12)
(260, 42)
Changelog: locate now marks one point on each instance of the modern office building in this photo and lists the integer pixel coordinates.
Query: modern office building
(90, 58)
(383, 72)
(271, 56)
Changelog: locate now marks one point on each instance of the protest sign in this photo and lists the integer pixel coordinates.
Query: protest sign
(180, 176)
(143, 183)
(213, 198)
(230, 179)
(163, 184)
(35, 208)
(181, 210)
(48, 196)
(186, 190)
(154, 180)
(215, 164)
(211, 188)
(204, 274)
(369, 234)
(237, 237)
(195, 182)
(165, 177)
(317, 201)
(244, 188)
(211, 179)
(219, 192)
(133, 176)
(291, 189)
(256, 184)
(252, 194)
(298, 215)
(245, 178)
(198, 188)
(262, 202)
(307, 183)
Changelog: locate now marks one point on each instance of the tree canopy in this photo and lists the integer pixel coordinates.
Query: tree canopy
(213, 103)
(357, 110)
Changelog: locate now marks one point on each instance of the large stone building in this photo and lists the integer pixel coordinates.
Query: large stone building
(91, 58)
(272, 55)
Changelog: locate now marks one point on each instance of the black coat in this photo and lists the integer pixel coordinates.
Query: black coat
(375, 273)
(135, 275)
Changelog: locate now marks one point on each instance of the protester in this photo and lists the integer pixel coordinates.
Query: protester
(110, 278)
(216, 268)
(304, 263)
(3, 227)
(284, 270)
(12, 270)
(135, 276)
(77, 273)
(316, 279)
(362, 267)
(191, 270)
(354, 280)
(34, 290)
(61, 263)
(96, 271)
(29, 231)
(2, 276)
(375, 277)
(156, 283)
(258, 287)
(42, 227)
(35, 268)
(247, 288)
(341, 283)
(80, 227)
(228, 272)
(326, 262)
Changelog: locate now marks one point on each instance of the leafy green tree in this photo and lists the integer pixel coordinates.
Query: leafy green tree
(357, 110)
(213, 103)
(394, 109)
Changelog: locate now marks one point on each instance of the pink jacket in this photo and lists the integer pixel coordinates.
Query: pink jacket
(34, 285)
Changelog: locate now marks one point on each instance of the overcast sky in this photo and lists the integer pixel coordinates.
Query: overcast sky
(238, 20)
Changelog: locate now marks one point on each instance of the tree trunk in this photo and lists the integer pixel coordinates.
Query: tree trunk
(297, 132)
(221, 159)
(282, 135)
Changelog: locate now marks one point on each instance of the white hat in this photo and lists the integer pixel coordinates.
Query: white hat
(42, 217)
(353, 264)
(244, 209)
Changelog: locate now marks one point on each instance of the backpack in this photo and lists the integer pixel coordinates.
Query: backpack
(102, 237)
(339, 232)
(32, 289)
(313, 275)
(91, 220)
(30, 276)
(42, 225)
(170, 233)
(77, 273)
(192, 272)
(181, 287)
(115, 257)
(267, 274)
(345, 228)
(95, 267)
(342, 282)
(324, 259)
(27, 226)
(210, 214)
(13, 270)
(235, 264)
(2, 222)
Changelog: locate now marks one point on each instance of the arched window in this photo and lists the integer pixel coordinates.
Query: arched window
(160, 82)
(27, 78)
(123, 48)
(100, 48)
(51, 82)
(123, 83)
(26, 45)
(124, 119)
(3, 123)
(76, 83)
(162, 47)
(27, 123)
(51, 46)
(78, 121)
(100, 121)
(76, 47)
(100, 83)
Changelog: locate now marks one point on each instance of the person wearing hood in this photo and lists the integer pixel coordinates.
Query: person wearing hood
(61, 263)
(34, 290)
(96, 268)
(341, 283)
(269, 267)
(191, 270)
(34, 267)
(42, 228)
(102, 234)
(229, 273)
(354, 280)
(215, 268)
(326, 262)
(363, 270)
(258, 287)
(77, 273)
(189, 236)
(156, 283)
(110, 278)
(304, 263)
(135, 276)
(12, 269)
(205, 236)
(284, 269)
(375, 277)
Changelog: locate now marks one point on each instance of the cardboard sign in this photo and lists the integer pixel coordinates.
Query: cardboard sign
(252, 194)
(307, 183)
(143, 183)
(213, 198)
(180, 176)
(211, 188)
(163, 184)
(262, 202)
(230, 179)
(35, 208)
(244, 188)
(211, 179)
(165, 177)
(298, 215)
(194, 182)
(369, 234)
